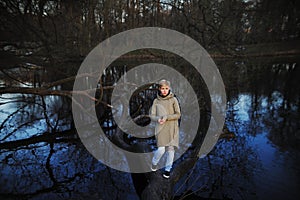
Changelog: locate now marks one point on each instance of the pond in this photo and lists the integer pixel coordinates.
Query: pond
(260, 159)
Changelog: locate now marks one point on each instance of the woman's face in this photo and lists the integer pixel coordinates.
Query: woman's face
(164, 90)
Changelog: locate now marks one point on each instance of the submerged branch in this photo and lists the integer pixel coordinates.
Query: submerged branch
(36, 91)
(46, 92)
(64, 136)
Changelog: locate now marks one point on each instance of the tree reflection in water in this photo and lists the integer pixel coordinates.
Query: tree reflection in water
(256, 157)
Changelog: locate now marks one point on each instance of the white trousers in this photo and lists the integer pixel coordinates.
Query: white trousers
(170, 156)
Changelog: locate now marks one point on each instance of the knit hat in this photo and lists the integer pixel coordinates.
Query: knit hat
(164, 82)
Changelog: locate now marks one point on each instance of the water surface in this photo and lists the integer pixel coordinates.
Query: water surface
(260, 159)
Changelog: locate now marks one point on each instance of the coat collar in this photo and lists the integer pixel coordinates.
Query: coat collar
(169, 96)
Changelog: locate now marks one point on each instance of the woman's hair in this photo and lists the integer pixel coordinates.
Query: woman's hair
(164, 82)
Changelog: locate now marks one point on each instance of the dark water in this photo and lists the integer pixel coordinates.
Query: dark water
(260, 159)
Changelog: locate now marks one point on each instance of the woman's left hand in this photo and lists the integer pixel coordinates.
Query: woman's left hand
(162, 120)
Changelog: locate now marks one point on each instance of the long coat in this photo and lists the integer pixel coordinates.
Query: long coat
(166, 134)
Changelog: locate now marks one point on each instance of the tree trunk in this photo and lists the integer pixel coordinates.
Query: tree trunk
(152, 185)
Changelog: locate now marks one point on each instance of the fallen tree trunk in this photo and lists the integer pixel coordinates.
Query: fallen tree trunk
(160, 188)
(152, 185)
(65, 136)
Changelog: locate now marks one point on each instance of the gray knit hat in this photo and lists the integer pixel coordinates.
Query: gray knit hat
(164, 82)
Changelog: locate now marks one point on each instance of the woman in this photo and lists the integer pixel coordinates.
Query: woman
(165, 112)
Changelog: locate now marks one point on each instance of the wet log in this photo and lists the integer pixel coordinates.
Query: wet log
(152, 185)
(161, 188)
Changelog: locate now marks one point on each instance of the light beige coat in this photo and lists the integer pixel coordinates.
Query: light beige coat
(166, 134)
